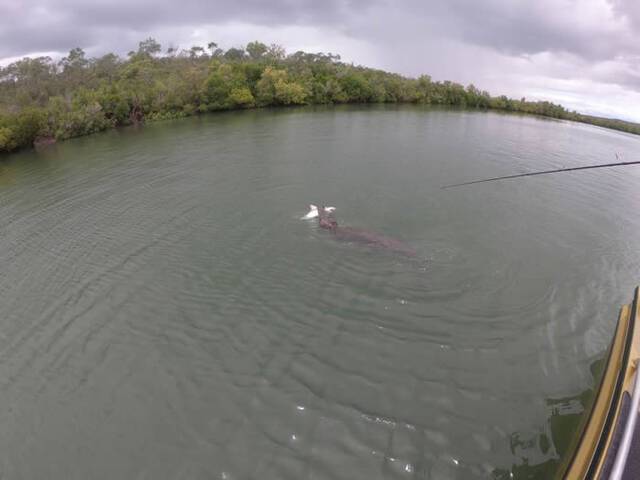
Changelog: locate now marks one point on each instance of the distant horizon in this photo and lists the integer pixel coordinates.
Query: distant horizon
(579, 53)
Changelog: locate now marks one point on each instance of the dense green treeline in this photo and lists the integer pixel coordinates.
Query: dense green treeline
(43, 101)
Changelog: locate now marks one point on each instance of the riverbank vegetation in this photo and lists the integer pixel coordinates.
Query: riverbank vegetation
(42, 101)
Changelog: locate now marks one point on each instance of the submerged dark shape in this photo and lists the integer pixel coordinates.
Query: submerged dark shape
(327, 221)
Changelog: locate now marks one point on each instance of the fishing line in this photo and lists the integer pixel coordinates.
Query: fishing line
(545, 172)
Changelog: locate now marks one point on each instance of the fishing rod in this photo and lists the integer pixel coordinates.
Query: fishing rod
(544, 172)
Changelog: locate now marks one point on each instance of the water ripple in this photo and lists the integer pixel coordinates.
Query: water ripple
(165, 313)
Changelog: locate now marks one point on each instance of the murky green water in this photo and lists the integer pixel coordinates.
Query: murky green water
(164, 312)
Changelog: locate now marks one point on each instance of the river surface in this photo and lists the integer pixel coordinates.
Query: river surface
(165, 313)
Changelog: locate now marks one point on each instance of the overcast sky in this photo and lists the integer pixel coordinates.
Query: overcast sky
(584, 54)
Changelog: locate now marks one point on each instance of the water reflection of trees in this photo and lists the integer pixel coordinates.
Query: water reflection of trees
(565, 422)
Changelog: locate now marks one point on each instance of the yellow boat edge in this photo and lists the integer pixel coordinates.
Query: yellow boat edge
(592, 446)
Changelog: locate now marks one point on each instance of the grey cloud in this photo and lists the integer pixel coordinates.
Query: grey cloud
(629, 9)
(523, 31)
(147, 13)
(489, 42)
(69, 23)
(519, 27)
(514, 27)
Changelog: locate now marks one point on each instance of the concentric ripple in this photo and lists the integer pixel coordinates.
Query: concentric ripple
(164, 313)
